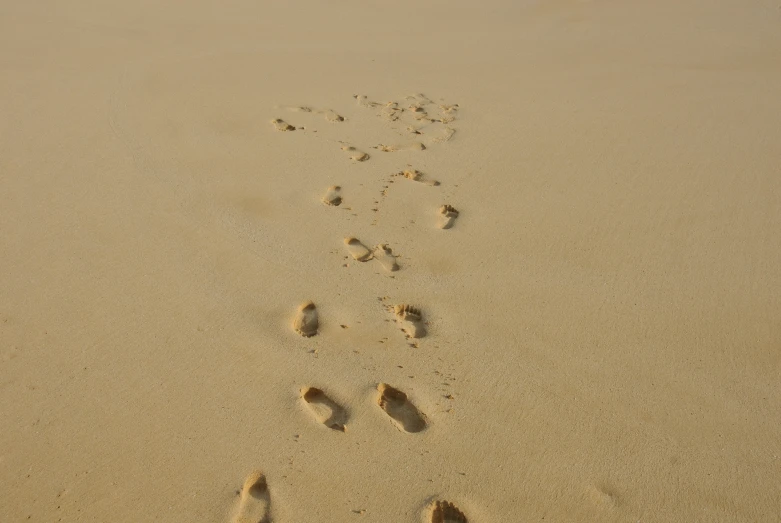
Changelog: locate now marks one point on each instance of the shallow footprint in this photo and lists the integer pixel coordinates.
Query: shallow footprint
(447, 215)
(331, 115)
(446, 512)
(282, 125)
(385, 255)
(414, 146)
(396, 405)
(363, 100)
(326, 410)
(357, 250)
(255, 502)
(411, 320)
(354, 154)
(333, 196)
(416, 176)
(305, 321)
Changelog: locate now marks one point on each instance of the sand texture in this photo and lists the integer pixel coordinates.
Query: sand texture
(390, 262)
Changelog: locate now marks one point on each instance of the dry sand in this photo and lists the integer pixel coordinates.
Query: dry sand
(597, 330)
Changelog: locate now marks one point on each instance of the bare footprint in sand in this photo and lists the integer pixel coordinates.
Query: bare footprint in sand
(364, 101)
(305, 321)
(354, 154)
(326, 410)
(442, 135)
(357, 250)
(396, 405)
(333, 196)
(254, 501)
(282, 125)
(414, 146)
(416, 176)
(411, 320)
(329, 114)
(385, 255)
(447, 215)
(446, 512)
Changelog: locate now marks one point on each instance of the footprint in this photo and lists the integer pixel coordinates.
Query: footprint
(447, 215)
(448, 112)
(354, 154)
(305, 322)
(254, 502)
(364, 101)
(333, 196)
(444, 135)
(391, 111)
(282, 125)
(418, 112)
(446, 512)
(413, 146)
(357, 250)
(419, 98)
(331, 115)
(297, 108)
(416, 176)
(411, 320)
(326, 410)
(385, 255)
(396, 405)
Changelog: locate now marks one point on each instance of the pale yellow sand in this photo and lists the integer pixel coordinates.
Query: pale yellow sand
(603, 334)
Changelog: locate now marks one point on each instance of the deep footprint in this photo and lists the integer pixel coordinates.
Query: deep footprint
(396, 405)
(411, 320)
(282, 125)
(333, 196)
(325, 410)
(255, 502)
(385, 256)
(447, 215)
(446, 512)
(306, 321)
(357, 250)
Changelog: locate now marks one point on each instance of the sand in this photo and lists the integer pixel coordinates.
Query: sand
(596, 333)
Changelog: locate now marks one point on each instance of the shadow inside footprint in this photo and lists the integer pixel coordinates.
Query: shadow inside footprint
(326, 410)
(255, 502)
(446, 512)
(396, 405)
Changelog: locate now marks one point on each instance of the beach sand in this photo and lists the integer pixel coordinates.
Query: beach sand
(594, 336)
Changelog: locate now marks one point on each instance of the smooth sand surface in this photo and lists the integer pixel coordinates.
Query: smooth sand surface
(602, 334)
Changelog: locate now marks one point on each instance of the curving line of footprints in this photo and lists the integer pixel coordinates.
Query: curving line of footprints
(414, 112)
